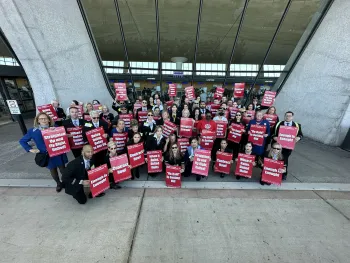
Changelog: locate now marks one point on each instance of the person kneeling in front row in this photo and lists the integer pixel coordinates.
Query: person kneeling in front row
(75, 176)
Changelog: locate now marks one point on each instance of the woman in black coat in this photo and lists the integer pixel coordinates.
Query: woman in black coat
(155, 142)
(135, 172)
(222, 148)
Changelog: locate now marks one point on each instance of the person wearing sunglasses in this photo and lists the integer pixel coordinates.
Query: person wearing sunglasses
(148, 127)
(175, 157)
(95, 123)
(275, 153)
(111, 152)
(144, 107)
(170, 141)
(42, 122)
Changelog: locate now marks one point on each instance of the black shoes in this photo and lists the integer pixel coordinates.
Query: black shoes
(284, 177)
(59, 187)
(222, 175)
(115, 186)
(239, 178)
(263, 183)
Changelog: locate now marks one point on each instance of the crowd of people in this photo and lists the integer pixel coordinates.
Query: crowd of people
(150, 132)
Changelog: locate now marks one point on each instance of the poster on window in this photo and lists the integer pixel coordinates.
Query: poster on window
(238, 91)
(76, 141)
(201, 162)
(183, 143)
(120, 140)
(49, 110)
(126, 118)
(136, 155)
(172, 90)
(142, 116)
(268, 99)
(235, 133)
(207, 139)
(223, 162)
(120, 92)
(286, 136)
(189, 92)
(154, 161)
(96, 139)
(186, 126)
(219, 93)
(244, 166)
(221, 128)
(168, 128)
(98, 180)
(56, 141)
(271, 118)
(256, 134)
(120, 167)
(173, 176)
(272, 171)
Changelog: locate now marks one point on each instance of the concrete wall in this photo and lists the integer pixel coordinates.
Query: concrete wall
(51, 41)
(318, 89)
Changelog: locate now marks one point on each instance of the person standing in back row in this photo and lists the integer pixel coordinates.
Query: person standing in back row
(74, 121)
(288, 121)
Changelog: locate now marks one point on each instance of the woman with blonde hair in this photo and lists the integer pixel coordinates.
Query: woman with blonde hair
(275, 153)
(42, 122)
(87, 109)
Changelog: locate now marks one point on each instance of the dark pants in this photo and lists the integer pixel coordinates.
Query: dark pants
(76, 152)
(100, 157)
(286, 153)
(135, 172)
(80, 196)
(188, 171)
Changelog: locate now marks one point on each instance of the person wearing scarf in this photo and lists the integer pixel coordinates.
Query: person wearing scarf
(148, 127)
(42, 122)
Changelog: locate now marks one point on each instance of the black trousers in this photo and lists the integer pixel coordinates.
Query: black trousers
(80, 196)
(286, 153)
(100, 157)
(76, 152)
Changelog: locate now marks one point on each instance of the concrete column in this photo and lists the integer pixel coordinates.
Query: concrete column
(318, 89)
(50, 39)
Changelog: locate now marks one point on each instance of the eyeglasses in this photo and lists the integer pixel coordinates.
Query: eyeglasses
(95, 118)
(174, 147)
(144, 102)
(149, 114)
(112, 149)
(276, 148)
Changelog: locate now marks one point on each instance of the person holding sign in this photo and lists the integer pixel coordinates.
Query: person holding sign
(60, 112)
(112, 152)
(42, 122)
(258, 148)
(223, 148)
(148, 127)
(248, 149)
(135, 172)
(93, 124)
(275, 153)
(155, 143)
(75, 176)
(174, 115)
(144, 107)
(88, 108)
(288, 122)
(237, 128)
(189, 157)
(206, 124)
(106, 115)
(175, 157)
(272, 117)
(74, 122)
(134, 128)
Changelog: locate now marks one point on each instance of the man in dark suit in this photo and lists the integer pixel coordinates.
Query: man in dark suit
(145, 107)
(202, 108)
(288, 121)
(74, 121)
(93, 124)
(60, 112)
(75, 176)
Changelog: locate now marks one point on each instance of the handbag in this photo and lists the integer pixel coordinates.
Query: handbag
(42, 159)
